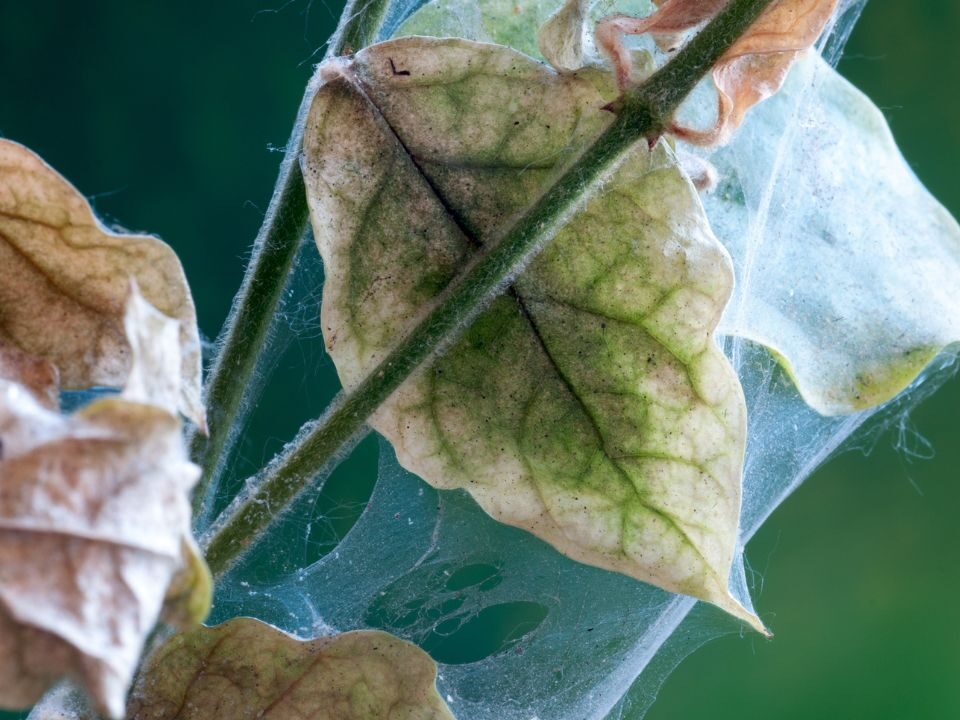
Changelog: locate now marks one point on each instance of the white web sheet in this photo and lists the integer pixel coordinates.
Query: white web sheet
(521, 632)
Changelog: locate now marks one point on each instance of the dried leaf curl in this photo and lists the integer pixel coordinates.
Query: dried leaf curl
(753, 69)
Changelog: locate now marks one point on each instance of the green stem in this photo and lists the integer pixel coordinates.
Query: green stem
(274, 251)
(644, 113)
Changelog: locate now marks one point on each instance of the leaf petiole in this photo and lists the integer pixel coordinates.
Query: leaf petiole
(274, 251)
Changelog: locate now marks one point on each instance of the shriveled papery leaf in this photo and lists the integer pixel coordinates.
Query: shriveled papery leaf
(155, 370)
(64, 280)
(38, 375)
(560, 38)
(849, 268)
(94, 531)
(518, 24)
(245, 669)
(589, 404)
(670, 22)
(754, 67)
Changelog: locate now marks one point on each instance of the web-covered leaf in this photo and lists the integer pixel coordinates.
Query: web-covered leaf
(517, 25)
(65, 281)
(589, 403)
(847, 267)
(519, 630)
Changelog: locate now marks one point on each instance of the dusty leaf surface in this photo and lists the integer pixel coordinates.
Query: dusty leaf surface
(94, 534)
(848, 267)
(245, 669)
(589, 404)
(65, 278)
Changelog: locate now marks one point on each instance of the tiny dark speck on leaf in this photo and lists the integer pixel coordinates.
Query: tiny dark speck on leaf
(393, 68)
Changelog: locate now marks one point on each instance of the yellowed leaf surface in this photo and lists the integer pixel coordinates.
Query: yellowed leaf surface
(589, 404)
(64, 280)
(246, 670)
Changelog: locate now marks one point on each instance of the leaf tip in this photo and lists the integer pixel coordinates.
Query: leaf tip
(728, 603)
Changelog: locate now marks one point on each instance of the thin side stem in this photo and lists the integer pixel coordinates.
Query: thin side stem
(644, 112)
(274, 252)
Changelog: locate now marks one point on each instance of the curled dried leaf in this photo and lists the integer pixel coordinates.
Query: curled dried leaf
(753, 69)
(671, 19)
(589, 404)
(95, 527)
(92, 517)
(155, 370)
(65, 277)
(560, 38)
(246, 670)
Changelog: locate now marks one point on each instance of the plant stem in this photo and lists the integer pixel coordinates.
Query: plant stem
(644, 113)
(274, 251)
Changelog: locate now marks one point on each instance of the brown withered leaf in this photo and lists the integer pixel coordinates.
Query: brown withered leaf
(64, 279)
(753, 69)
(246, 669)
(95, 527)
(93, 511)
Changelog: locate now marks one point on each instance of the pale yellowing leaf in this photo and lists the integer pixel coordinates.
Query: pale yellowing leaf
(589, 404)
(248, 670)
(523, 26)
(506, 22)
(64, 279)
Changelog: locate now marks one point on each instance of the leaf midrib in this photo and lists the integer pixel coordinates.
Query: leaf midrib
(460, 223)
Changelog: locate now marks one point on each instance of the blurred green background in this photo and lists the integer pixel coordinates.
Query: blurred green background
(168, 115)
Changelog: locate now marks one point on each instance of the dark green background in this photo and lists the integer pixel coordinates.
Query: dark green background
(165, 113)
